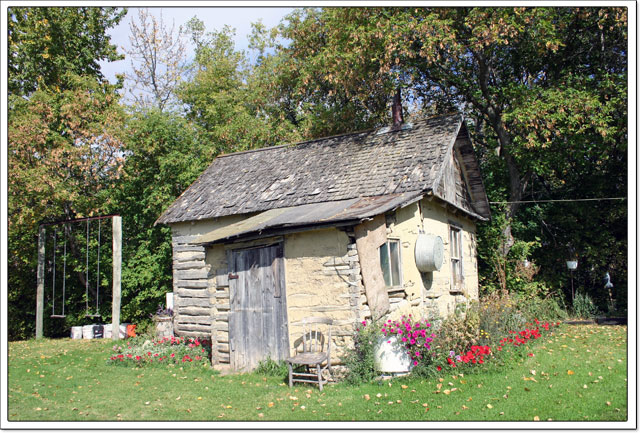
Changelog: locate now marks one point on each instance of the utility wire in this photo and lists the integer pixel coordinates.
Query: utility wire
(559, 200)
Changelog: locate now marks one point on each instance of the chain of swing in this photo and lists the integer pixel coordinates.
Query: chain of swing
(64, 273)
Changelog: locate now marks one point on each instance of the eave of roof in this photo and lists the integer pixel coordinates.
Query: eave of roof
(309, 215)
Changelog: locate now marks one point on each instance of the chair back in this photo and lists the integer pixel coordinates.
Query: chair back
(313, 337)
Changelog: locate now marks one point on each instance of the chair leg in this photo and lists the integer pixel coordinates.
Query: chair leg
(319, 376)
(290, 374)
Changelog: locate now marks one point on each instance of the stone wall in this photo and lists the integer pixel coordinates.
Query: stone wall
(323, 279)
(430, 294)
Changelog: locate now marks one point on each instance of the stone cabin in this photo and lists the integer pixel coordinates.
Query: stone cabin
(357, 226)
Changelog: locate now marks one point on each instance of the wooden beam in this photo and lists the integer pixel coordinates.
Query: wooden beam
(117, 265)
(40, 287)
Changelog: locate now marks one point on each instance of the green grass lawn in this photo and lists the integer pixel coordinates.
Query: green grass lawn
(577, 373)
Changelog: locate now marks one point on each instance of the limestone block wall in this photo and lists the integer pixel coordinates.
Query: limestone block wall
(323, 279)
(430, 294)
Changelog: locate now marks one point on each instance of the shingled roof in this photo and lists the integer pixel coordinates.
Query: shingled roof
(364, 164)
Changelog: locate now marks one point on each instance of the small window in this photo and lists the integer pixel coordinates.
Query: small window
(390, 263)
(455, 243)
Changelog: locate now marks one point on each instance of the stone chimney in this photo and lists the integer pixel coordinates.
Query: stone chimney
(396, 109)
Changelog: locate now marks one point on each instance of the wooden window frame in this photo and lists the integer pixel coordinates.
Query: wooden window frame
(456, 257)
(399, 258)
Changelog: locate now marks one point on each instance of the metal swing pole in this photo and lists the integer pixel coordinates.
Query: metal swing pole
(53, 294)
(98, 274)
(86, 282)
(40, 283)
(117, 263)
(64, 269)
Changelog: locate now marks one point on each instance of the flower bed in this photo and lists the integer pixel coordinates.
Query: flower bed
(167, 350)
(516, 339)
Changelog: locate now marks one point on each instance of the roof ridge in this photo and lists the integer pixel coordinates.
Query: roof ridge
(344, 134)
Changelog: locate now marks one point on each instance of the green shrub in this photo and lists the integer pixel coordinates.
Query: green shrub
(269, 367)
(583, 306)
(549, 308)
(458, 331)
(360, 360)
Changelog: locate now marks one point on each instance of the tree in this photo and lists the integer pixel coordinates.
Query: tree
(64, 155)
(543, 89)
(165, 154)
(223, 98)
(64, 120)
(157, 58)
(46, 43)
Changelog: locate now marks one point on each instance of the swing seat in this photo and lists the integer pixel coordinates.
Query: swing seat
(92, 315)
(57, 316)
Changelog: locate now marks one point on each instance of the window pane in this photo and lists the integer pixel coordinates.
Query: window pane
(395, 263)
(384, 264)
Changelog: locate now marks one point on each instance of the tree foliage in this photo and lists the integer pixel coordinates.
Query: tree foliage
(47, 43)
(164, 155)
(224, 98)
(64, 156)
(544, 90)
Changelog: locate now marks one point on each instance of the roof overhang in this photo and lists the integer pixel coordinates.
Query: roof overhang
(314, 215)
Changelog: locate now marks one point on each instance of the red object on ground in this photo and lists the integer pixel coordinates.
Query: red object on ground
(131, 330)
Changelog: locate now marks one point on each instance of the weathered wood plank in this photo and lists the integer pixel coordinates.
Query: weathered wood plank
(188, 256)
(178, 265)
(194, 293)
(193, 283)
(222, 277)
(222, 347)
(206, 329)
(192, 274)
(194, 311)
(187, 248)
(185, 239)
(194, 319)
(193, 302)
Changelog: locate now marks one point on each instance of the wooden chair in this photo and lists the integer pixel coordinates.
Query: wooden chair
(315, 350)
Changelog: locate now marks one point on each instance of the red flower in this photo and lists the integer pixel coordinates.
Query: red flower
(531, 354)
(438, 368)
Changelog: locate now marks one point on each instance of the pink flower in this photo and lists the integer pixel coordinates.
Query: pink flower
(364, 323)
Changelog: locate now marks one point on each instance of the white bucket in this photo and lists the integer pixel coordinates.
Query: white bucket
(389, 358)
(87, 332)
(76, 332)
(107, 331)
(123, 330)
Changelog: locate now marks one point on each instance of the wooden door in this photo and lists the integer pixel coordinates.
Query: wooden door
(258, 309)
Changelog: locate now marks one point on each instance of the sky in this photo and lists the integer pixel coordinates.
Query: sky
(214, 18)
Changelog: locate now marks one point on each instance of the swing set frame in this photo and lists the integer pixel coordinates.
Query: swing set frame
(116, 265)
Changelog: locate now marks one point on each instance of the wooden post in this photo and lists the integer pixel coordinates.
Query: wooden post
(117, 264)
(40, 287)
